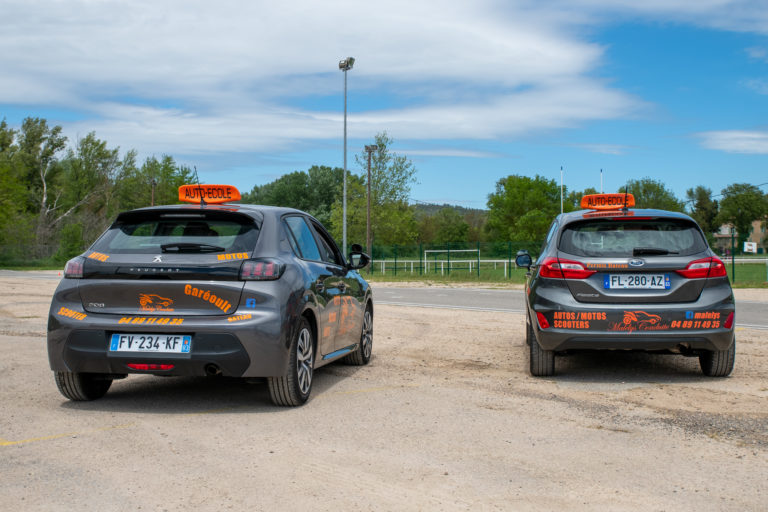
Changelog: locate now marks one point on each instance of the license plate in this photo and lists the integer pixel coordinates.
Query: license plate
(636, 281)
(161, 343)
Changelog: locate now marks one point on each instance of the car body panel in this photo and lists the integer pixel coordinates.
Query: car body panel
(243, 328)
(687, 315)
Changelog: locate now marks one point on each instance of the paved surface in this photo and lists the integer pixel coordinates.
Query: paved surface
(749, 313)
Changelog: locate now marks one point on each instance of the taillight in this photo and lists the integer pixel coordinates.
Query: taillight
(729, 321)
(261, 270)
(564, 269)
(705, 267)
(74, 268)
(542, 320)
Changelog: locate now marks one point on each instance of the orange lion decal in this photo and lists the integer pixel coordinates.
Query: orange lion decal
(153, 302)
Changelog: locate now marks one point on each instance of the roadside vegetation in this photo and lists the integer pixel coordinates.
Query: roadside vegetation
(58, 195)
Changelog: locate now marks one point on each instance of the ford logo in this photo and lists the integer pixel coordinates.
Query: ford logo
(637, 262)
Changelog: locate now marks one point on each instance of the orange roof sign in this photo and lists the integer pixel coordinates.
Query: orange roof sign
(607, 201)
(208, 193)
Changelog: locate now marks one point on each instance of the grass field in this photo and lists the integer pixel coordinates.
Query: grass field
(748, 275)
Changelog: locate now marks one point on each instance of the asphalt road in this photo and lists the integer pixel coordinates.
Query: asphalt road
(749, 314)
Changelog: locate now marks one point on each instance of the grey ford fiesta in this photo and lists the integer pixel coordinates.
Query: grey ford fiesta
(614, 277)
(210, 288)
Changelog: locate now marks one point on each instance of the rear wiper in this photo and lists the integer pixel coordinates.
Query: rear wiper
(191, 247)
(639, 251)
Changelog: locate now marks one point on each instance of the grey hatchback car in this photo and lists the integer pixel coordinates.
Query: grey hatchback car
(615, 277)
(209, 289)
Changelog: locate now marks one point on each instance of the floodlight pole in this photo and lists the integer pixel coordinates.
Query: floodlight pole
(369, 149)
(345, 65)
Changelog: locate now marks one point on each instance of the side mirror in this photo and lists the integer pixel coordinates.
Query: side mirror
(523, 259)
(357, 258)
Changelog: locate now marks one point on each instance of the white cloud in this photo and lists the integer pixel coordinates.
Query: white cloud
(736, 141)
(196, 76)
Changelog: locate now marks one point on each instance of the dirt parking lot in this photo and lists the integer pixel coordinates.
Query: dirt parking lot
(445, 417)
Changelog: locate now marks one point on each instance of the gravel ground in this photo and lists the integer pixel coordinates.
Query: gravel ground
(445, 417)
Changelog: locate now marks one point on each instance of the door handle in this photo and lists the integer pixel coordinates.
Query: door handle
(320, 285)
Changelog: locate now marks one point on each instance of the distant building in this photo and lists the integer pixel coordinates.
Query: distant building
(757, 234)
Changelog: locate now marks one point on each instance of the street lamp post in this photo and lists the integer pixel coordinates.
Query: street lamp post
(369, 149)
(345, 65)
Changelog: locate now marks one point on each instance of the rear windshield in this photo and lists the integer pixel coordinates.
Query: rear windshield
(626, 238)
(210, 232)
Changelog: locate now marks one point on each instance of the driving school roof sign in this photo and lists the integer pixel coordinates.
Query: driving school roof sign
(208, 193)
(607, 201)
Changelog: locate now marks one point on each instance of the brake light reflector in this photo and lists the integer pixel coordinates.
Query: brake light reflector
(729, 321)
(74, 268)
(564, 269)
(705, 267)
(542, 320)
(261, 270)
(151, 366)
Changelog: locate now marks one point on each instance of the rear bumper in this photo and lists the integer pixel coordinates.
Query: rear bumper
(251, 345)
(700, 325)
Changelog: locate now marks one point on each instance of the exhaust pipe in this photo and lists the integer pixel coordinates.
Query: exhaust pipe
(212, 370)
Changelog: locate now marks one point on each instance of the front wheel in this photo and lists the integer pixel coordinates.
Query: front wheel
(718, 363)
(82, 386)
(294, 387)
(362, 355)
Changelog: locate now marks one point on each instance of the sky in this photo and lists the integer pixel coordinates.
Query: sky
(470, 92)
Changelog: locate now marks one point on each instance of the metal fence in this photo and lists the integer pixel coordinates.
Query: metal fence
(479, 259)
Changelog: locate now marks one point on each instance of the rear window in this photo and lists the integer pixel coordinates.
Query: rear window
(627, 238)
(209, 232)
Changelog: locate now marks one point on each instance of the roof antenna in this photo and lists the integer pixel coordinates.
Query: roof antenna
(626, 189)
(199, 189)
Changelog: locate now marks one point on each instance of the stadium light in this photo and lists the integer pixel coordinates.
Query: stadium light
(345, 65)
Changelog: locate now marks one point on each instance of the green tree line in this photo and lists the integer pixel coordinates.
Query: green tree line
(56, 198)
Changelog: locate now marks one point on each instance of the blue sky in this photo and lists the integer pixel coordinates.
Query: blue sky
(247, 91)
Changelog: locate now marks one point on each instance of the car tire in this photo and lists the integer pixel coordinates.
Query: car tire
(293, 388)
(718, 363)
(542, 361)
(362, 355)
(82, 386)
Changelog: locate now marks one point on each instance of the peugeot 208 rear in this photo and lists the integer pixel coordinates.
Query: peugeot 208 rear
(209, 289)
(613, 277)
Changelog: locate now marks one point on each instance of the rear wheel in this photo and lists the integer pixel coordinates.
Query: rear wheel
(294, 387)
(542, 361)
(718, 363)
(362, 355)
(82, 386)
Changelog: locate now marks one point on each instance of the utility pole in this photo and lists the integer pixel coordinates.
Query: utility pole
(369, 149)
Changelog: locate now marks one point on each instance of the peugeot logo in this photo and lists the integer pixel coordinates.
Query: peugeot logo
(158, 259)
(637, 262)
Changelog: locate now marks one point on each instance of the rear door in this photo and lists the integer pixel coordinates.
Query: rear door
(632, 259)
(173, 262)
(326, 280)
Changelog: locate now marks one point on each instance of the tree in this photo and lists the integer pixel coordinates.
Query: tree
(392, 219)
(650, 193)
(451, 226)
(704, 209)
(522, 208)
(742, 204)
(313, 191)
